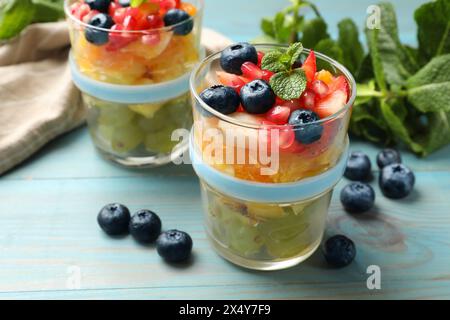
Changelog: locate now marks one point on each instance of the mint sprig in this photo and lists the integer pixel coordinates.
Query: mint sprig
(287, 83)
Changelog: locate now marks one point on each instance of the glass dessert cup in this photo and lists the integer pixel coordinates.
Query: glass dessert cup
(265, 198)
(136, 86)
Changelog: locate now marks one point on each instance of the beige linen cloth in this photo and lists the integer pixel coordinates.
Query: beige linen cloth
(38, 101)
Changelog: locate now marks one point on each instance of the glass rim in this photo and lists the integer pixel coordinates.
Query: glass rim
(142, 32)
(227, 118)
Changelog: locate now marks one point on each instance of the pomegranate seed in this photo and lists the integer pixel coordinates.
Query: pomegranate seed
(278, 114)
(81, 11)
(320, 88)
(119, 15)
(155, 21)
(251, 71)
(129, 23)
(260, 57)
(266, 75)
(308, 99)
(112, 8)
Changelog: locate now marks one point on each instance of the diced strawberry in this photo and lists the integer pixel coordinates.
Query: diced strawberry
(80, 10)
(293, 104)
(230, 80)
(320, 88)
(310, 67)
(177, 3)
(155, 21)
(119, 15)
(251, 71)
(130, 23)
(308, 99)
(166, 5)
(89, 16)
(335, 100)
(266, 75)
(112, 8)
(118, 40)
(278, 114)
(260, 57)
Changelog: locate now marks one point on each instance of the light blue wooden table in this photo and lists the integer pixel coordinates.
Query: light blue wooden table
(49, 234)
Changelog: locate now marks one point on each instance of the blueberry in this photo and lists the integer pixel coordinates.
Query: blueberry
(299, 62)
(124, 3)
(114, 218)
(358, 167)
(221, 98)
(99, 5)
(306, 131)
(396, 181)
(145, 226)
(232, 57)
(98, 37)
(181, 20)
(339, 251)
(357, 197)
(174, 245)
(387, 157)
(257, 97)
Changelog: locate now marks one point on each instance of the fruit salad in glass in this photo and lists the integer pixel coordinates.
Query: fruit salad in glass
(132, 60)
(269, 143)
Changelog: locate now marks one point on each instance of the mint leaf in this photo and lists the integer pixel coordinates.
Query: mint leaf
(437, 134)
(314, 31)
(15, 15)
(352, 49)
(433, 21)
(429, 88)
(267, 26)
(272, 62)
(289, 85)
(48, 10)
(329, 48)
(294, 51)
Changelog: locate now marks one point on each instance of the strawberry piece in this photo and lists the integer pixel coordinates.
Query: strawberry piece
(260, 57)
(308, 99)
(266, 75)
(320, 88)
(310, 67)
(155, 21)
(112, 8)
(119, 15)
(231, 80)
(80, 10)
(335, 100)
(251, 71)
(293, 104)
(89, 16)
(118, 40)
(278, 114)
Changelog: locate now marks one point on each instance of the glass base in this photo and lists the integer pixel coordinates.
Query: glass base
(263, 265)
(144, 162)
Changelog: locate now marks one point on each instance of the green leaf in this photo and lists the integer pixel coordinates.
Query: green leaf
(365, 71)
(330, 48)
(348, 41)
(392, 64)
(48, 10)
(264, 38)
(15, 15)
(437, 134)
(272, 62)
(429, 88)
(289, 85)
(433, 21)
(294, 52)
(267, 26)
(314, 31)
(284, 25)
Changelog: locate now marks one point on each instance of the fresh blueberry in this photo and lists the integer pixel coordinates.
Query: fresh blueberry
(174, 245)
(306, 131)
(99, 5)
(234, 56)
(145, 226)
(257, 97)
(357, 197)
(358, 167)
(99, 37)
(387, 157)
(299, 62)
(124, 3)
(221, 98)
(339, 251)
(396, 181)
(114, 219)
(181, 20)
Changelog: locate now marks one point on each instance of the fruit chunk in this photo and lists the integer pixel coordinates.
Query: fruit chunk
(320, 88)
(325, 76)
(278, 114)
(257, 97)
(251, 71)
(335, 100)
(309, 66)
(230, 80)
(126, 138)
(232, 57)
(148, 110)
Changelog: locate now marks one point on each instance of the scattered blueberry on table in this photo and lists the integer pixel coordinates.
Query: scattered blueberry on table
(358, 167)
(339, 251)
(174, 245)
(357, 197)
(387, 157)
(114, 219)
(396, 181)
(145, 226)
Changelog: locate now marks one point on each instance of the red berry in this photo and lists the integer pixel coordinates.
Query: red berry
(320, 88)
(112, 8)
(155, 21)
(251, 71)
(308, 99)
(118, 40)
(130, 23)
(119, 15)
(285, 135)
(266, 75)
(231, 80)
(80, 10)
(260, 57)
(278, 114)
(310, 67)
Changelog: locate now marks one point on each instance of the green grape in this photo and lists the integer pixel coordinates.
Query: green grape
(115, 115)
(160, 142)
(147, 110)
(126, 138)
(106, 132)
(180, 112)
(150, 125)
